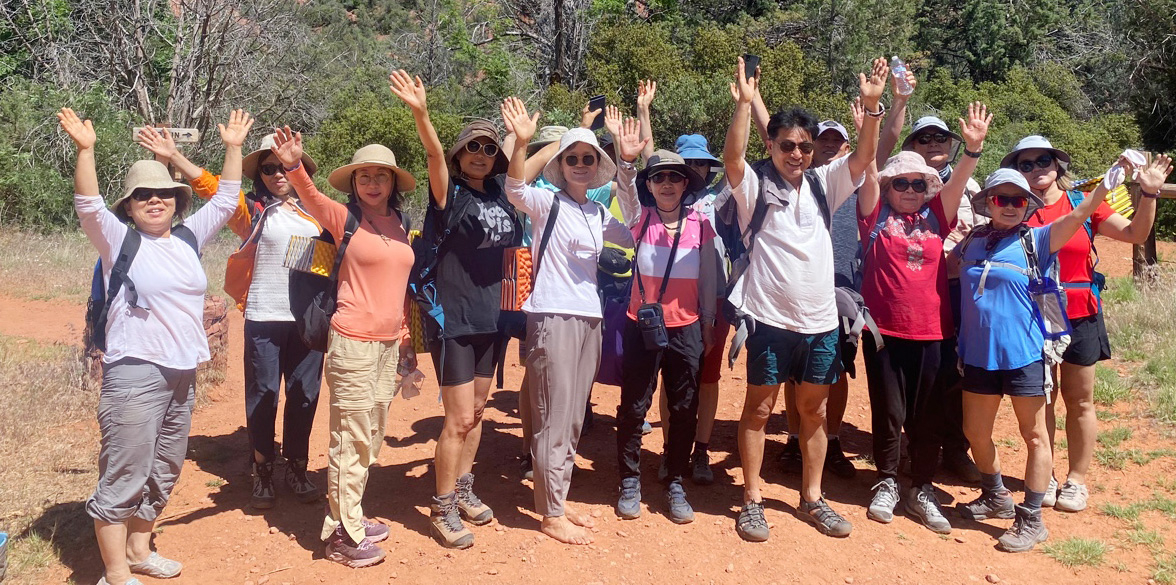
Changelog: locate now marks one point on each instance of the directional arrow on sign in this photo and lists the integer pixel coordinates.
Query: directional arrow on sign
(180, 135)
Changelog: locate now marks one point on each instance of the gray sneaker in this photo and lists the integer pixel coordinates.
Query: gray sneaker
(680, 510)
(885, 499)
(263, 496)
(1027, 530)
(827, 521)
(989, 505)
(1072, 497)
(1051, 494)
(751, 524)
(299, 483)
(629, 502)
(923, 504)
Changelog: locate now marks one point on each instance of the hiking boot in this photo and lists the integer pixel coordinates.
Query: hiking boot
(1072, 497)
(885, 499)
(751, 524)
(374, 531)
(923, 504)
(1051, 494)
(526, 468)
(296, 480)
(445, 523)
(836, 461)
(1027, 530)
(989, 505)
(629, 502)
(347, 552)
(827, 521)
(701, 473)
(791, 461)
(680, 510)
(471, 508)
(263, 496)
(958, 463)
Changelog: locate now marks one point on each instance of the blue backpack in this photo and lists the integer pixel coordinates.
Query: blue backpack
(1098, 280)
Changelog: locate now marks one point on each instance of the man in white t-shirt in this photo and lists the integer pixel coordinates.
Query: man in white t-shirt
(787, 288)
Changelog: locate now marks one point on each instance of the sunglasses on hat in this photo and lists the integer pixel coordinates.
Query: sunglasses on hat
(672, 177)
(938, 137)
(787, 146)
(145, 195)
(573, 160)
(489, 149)
(1043, 161)
(901, 184)
(1014, 201)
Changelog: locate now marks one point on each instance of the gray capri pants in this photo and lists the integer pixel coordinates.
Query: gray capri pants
(144, 414)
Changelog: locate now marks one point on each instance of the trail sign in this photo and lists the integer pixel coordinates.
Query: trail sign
(180, 135)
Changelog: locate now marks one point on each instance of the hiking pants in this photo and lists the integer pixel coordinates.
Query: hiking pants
(361, 376)
(679, 364)
(563, 353)
(144, 415)
(901, 378)
(273, 351)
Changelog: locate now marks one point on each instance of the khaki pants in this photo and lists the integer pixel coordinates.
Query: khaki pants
(361, 376)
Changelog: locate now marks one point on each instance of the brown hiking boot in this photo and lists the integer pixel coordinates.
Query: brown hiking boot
(471, 508)
(445, 523)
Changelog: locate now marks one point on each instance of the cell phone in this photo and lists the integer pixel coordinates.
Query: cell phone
(750, 62)
(597, 103)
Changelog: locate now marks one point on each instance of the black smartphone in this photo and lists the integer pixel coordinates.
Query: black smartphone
(597, 103)
(750, 62)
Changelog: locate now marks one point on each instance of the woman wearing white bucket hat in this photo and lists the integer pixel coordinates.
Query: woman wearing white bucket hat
(1046, 169)
(563, 311)
(368, 341)
(154, 340)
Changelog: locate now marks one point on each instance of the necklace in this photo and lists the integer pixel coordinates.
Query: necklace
(387, 240)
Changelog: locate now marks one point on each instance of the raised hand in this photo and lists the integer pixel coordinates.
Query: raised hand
(645, 92)
(1151, 177)
(587, 117)
(975, 127)
(910, 79)
(158, 141)
(744, 89)
(234, 133)
(612, 120)
(859, 113)
(514, 113)
(410, 90)
(287, 146)
(630, 142)
(871, 87)
(80, 131)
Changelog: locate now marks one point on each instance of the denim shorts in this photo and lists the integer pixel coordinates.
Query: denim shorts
(775, 356)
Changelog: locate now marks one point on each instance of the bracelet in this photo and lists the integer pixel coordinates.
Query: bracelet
(293, 168)
(879, 113)
(1143, 193)
(972, 154)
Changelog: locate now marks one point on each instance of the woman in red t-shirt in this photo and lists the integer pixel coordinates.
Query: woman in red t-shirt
(1045, 168)
(904, 283)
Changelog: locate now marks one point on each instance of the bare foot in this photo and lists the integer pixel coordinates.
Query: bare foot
(579, 518)
(561, 529)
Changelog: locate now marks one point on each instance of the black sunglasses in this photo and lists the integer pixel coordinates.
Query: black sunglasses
(271, 169)
(573, 160)
(1043, 161)
(674, 178)
(938, 137)
(787, 146)
(1014, 201)
(901, 184)
(490, 149)
(145, 195)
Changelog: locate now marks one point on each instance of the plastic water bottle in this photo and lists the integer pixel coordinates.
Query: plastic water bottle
(899, 70)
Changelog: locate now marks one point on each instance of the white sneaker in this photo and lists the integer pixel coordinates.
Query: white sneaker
(885, 499)
(1072, 497)
(1051, 494)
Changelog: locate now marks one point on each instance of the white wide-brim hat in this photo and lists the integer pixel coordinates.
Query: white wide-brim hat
(606, 169)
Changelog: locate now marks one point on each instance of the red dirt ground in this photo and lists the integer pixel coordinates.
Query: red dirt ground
(209, 527)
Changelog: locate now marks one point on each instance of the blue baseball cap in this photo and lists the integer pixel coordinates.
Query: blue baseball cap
(693, 146)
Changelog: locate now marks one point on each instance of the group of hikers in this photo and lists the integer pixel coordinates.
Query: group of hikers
(970, 294)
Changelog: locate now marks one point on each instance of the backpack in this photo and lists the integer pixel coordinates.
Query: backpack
(102, 294)
(1098, 280)
(313, 296)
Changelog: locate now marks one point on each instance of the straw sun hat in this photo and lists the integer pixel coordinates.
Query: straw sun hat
(372, 155)
(249, 164)
(152, 175)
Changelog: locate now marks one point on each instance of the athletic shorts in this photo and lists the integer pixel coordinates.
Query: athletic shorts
(1088, 341)
(466, 357)
(712, 363)
(776, 355)
(1027, 381)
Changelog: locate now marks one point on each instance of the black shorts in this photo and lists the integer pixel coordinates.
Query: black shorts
(1027, 381)
(1089, 343)
(466, 357)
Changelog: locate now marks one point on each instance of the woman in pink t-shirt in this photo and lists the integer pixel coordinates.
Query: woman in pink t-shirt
(904, 283)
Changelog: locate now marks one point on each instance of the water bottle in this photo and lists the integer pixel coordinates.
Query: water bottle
(899, 70)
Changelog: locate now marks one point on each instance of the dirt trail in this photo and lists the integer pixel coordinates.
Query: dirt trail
(210, 528)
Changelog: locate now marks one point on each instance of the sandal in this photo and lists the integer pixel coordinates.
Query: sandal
(157, 567)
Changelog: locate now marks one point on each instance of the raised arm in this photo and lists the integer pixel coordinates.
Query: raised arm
(870, 192)
(1064, 227)
(233, 135)
(895, 119)
(160, 143)
(524, 125)
(870, 89)
(83, 135)
(629, 147)
(411, 91)
(973, 129)
(759, 111)
(735, 146)
(535, 162)
(1136, 230)
(645, 92)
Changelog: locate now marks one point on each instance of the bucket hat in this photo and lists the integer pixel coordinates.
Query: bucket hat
(153, 175)
(545, 136)
(833, 125)
(910, 162)
(694, 147)
(926, 124)
(1005, 177)
(1032, 142)
(472, 131)
(605, 169)
(664, 160)
(372, 155)
(249, 164)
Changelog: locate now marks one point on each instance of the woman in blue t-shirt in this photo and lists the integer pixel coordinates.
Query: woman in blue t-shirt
(1001, 344)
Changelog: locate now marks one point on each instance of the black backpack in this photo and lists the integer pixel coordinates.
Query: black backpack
(313, 296)
(102, 294)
